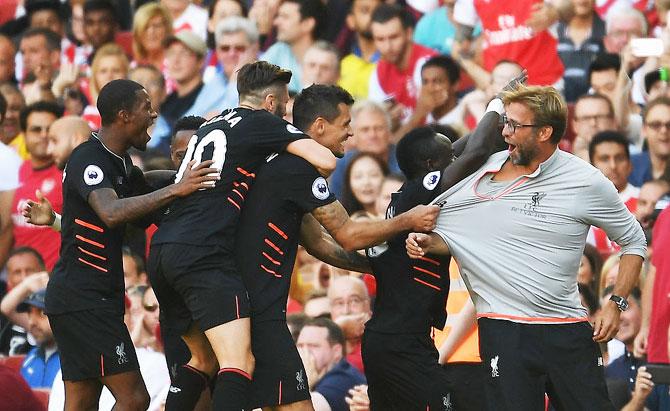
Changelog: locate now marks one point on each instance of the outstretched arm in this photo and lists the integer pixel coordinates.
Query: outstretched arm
(355, 235)
(114, 211)
(321, 245)
(420, 244)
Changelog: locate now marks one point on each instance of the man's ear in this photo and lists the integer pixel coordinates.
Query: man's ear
(544, 133)
(269, 102)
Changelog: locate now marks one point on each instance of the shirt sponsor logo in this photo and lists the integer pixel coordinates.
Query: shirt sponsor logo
(320, 188)
(93, 175)
(431, 179)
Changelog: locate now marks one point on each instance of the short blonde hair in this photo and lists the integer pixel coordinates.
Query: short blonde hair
(141, 21)
(547, 105)
(108, 50)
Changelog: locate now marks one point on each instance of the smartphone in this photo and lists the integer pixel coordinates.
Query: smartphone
(660, 373)
(647, 47)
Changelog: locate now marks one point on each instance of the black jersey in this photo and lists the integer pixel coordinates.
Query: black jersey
(411, 294)
(286, 188)
(89, 273)
(238, 140)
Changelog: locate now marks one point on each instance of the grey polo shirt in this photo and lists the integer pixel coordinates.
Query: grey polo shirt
(519, 243)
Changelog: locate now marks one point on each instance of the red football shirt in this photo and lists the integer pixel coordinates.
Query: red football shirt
(43, 239)
(657, 344)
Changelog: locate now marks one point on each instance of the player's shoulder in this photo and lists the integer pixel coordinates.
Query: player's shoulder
(90, 151)
(266, 119)
(286, 163)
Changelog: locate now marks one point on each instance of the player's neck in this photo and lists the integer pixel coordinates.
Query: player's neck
(113, 140)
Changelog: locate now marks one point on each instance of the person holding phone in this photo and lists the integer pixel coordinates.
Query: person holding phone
(651, 392)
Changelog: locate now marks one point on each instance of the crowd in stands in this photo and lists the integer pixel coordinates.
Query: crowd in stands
(407, 63)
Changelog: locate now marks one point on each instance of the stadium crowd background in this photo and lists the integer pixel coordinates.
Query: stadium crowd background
(407, 63)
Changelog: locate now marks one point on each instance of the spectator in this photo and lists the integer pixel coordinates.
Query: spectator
(321, 64)
(40, 49)
(372, 133)
(38, 173)
(299, 24)
(648, 396)
(187, 16)
(519, 36)
(100, 25)
(651, 164)
(363, 181)
(437, 28)
(152, 26)
(625, 367)
(602, 75)
(9, 169)
(608, 152)
(22, 262)
(134, 274)
(153, 82)
(357, 67)
(65, 134)
(218, 11)
(650, 193)
(7, 61)
(623, 24)
(437, 101)
(350, 309)
(236, 45)
(144, 325)
(185, 55)
(77, 22)
(590, 267)
(317, 303)
(392, 184)
(397, 78)
(579, 41)
(321, 346)
(593, 113)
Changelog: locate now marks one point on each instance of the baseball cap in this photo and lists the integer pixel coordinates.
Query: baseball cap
(35, 299)
(191, 40)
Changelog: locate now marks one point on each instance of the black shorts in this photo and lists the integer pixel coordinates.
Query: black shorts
(403, 373)
(93, 344)
(279, 375)
(468, 379)
(523, 361)
(194, 283)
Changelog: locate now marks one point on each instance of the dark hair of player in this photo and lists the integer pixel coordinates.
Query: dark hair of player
(115, 96)
(256, 80)
(316, 101)
(39, 106)
(419, 146)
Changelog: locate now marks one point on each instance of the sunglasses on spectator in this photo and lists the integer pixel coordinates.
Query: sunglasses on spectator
(151, 308)
(658, 125)
(226, 48)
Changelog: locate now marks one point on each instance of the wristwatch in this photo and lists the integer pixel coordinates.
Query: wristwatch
(620, 302)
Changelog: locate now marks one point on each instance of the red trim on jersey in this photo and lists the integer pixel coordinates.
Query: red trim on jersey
(245, 185)
(234, 203)
(272, 260)
(89, 225)
(423, 270)
(245, 172)
(104, 270)
(235, 370)
(102, 366)
(270, 271)
(430, 260)
(237, 306)
(278, 231)
(427, 284)
(271, 244)
(92, 254)
(91, 242)
(238, 193)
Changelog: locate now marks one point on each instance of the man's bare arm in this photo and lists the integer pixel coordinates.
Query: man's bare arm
(355, 235)
(323, 246)
(114, 211)
(319, 156)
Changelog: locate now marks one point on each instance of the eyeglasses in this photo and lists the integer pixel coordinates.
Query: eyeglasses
(597, 117)
(658, 125)
(151, 308)
(226, 48)
(513, 125)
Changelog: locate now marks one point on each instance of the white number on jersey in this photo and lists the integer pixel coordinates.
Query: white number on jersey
(194, 151)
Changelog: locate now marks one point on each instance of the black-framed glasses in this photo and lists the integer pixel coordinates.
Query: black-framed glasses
(513, 125)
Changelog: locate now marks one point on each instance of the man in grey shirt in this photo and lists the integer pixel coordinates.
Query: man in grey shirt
(518, 226)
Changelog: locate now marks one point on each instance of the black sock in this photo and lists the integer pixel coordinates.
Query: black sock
(232, 390)
(185, 389)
